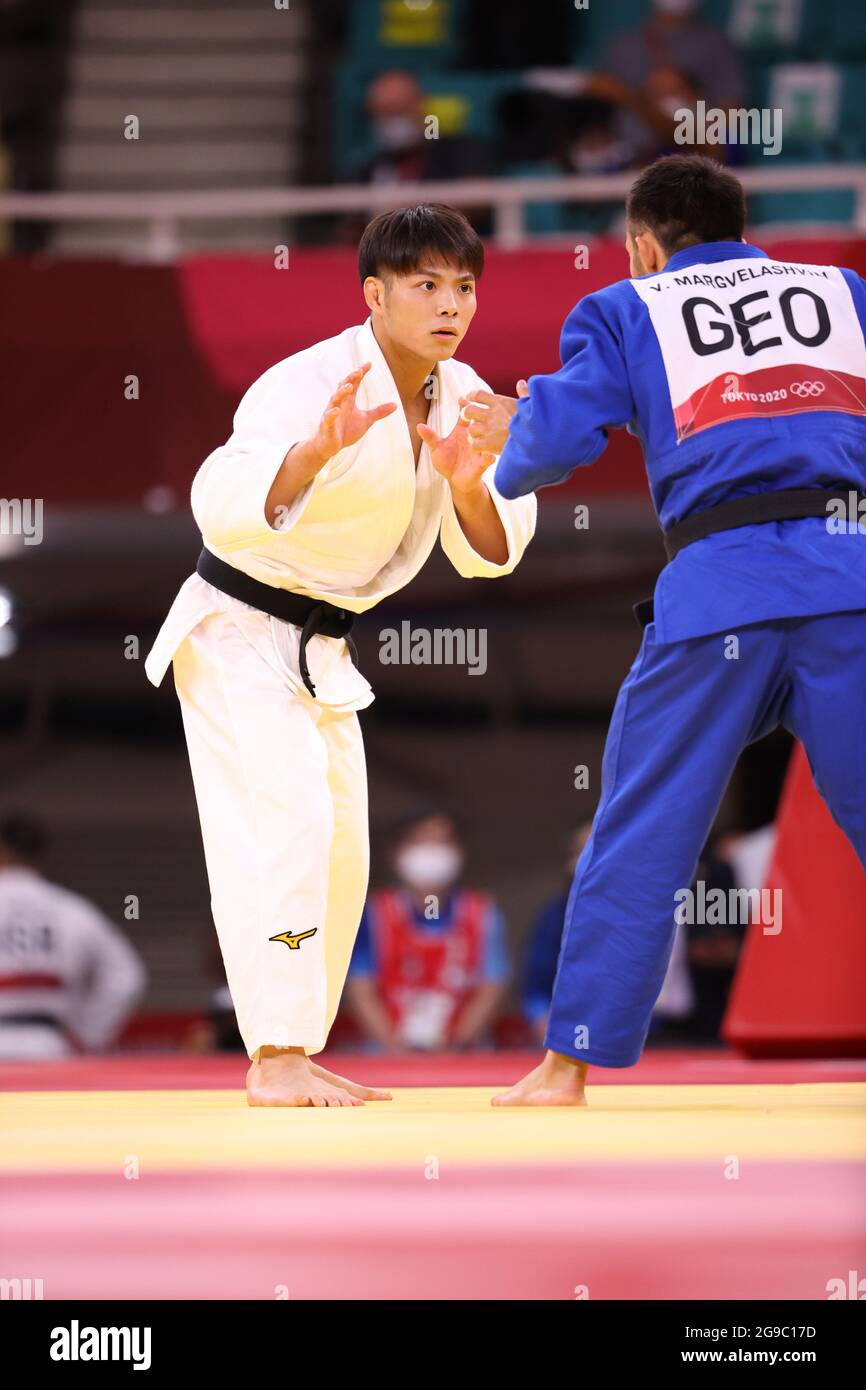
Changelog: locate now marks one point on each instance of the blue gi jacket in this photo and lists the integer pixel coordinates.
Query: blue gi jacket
(738, 375)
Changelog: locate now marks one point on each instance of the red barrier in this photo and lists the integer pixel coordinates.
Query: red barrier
(195, 335)
(802, 991)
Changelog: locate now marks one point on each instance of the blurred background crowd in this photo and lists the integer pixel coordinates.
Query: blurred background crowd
(433, 969)
(391, 91)
(478, 818)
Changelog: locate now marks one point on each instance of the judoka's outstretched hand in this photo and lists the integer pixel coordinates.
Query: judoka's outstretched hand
(464, 468)
(452, 456)
(343, 423)
(489, 417)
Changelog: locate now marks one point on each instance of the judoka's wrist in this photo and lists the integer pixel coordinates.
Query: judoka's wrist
(471, 499)
(305, 460)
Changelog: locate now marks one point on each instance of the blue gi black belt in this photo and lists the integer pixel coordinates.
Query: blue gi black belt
(790, 505)
(312, 616)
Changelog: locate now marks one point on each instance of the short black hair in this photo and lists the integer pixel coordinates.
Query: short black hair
(399, 241)
(686, 199)
(23, 835)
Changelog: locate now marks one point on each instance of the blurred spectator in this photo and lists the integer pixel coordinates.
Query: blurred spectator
(749, 855)
(702, 967)
(405, 150)
(430, 965)
(713, 952)
(593, 146)
(65, 969)
(545, 938)
(674, 53)
(703, 960)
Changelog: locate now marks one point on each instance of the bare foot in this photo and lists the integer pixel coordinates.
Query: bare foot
(557, 1080)
(287, 1078)
(353, 1087)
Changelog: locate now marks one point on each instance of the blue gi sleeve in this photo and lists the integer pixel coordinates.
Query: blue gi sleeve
(562, 424)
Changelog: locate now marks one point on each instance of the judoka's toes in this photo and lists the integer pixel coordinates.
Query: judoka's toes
(335, 1095)
(353, 1087)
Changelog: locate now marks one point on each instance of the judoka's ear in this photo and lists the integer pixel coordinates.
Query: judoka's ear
(374, 294)
(652, 254)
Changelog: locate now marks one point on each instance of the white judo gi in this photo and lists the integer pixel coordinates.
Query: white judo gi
(280, 776)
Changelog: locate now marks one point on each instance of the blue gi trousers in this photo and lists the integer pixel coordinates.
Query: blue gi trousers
(682, 717)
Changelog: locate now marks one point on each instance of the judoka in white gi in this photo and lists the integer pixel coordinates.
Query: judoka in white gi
(69, 978)
(347, 461)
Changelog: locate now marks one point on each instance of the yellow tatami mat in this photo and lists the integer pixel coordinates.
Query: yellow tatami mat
(102, 1131)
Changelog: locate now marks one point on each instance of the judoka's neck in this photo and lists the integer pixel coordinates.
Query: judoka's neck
(409, 372)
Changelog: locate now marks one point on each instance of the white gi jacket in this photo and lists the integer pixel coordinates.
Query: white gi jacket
(361, 530)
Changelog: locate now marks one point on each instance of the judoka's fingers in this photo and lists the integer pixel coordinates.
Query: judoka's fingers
(429, 436)
(348, 387)
(471, 412)
(357, 375)
(522, 388)
(380, 411)
(343, 395)
(354, 379)
(481, 397)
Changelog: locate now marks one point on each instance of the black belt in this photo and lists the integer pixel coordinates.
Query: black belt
(791, 505)
(311, 615)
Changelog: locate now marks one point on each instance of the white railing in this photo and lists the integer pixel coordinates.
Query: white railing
(161, 213)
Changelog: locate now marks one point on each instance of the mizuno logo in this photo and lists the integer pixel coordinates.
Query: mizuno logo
(294, 941)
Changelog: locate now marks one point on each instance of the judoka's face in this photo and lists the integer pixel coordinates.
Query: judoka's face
(426, 312)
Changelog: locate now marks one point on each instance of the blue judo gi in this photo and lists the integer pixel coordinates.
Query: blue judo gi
(739, 375)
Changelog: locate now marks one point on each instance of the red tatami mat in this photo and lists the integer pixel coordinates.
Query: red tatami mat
(712, 1066)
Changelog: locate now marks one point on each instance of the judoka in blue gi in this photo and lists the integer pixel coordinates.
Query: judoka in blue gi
(745, 380)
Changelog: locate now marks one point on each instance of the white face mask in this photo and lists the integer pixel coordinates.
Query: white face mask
(396, 132)
(429, 865)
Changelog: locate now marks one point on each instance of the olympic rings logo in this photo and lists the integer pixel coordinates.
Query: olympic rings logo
(807, 388)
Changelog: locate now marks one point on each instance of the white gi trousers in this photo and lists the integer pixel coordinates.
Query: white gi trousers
(281, 786)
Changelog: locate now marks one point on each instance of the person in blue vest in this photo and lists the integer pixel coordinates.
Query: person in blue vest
(430, 964)
(744, 379)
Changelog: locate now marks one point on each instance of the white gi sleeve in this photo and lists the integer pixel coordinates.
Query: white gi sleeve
(113, 980)
(229, 490)
(518, 521)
